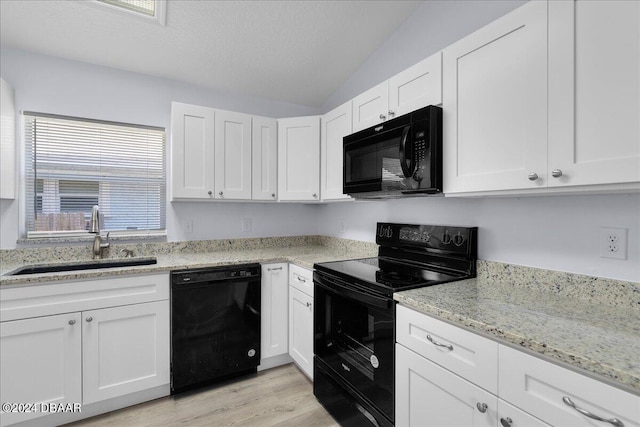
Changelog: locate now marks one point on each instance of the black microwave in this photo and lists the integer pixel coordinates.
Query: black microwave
(400, 157)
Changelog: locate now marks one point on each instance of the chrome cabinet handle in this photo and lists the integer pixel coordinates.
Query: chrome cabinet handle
(274, 269)
(391, 113)
(89, 319)
(613, 421)
(72, 322)
(556, 173)
(308, 304)
(210, 192)
(506, 422)
(382, 117)
(482, 407)
(533, 176)
(300, 279)
(434, 342)
(220, 193)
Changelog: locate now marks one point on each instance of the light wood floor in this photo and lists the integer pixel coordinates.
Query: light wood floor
(281, 396)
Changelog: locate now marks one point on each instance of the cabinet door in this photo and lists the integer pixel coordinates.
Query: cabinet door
(541, 388)
(336, 124)
(232, 155)
(125, 350)
(192, 152)
(427, 394)
(495, 104)
(301, 330)
(594, 92)
(264, 159)
(371, 107)
(40, 362)
(274, 317)
(299, 158)
(7, 141)
(417, 86)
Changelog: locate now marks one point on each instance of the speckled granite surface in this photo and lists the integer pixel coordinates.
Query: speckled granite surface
(301, 250)
(588, 323)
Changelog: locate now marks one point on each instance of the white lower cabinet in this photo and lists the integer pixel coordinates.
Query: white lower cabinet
(429, 395)
(60, 348)
(440, 391)
(301, 318)
(274, 319)
(40, 361)
(124, 349)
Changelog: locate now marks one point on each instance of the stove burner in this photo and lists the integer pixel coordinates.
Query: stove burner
(392, 278)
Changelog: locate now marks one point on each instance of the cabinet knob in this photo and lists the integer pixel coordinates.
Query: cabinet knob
(533, 176)
(613, 421)
(556, 173)
(308, 304)
(392, 113)
(382, 117)
(273, 195)
(220, 193)
(210, 192)
(315, 195)
(506, 422)
(482, 407)
(89, 319)
(72, 322)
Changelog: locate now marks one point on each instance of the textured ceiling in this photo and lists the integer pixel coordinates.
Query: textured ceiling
(292, 51)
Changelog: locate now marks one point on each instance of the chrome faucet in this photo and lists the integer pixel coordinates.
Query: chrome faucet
(94, 227)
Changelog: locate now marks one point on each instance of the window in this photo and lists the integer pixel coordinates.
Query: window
(146, 10)
(73, 164)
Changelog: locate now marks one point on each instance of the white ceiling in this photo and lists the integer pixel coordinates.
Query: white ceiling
(292, 51)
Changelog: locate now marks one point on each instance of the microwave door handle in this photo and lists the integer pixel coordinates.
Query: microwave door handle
(407, 167)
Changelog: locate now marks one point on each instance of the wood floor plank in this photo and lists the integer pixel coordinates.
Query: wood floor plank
(281, 396)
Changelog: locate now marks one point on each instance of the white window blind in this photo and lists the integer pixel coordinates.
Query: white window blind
(73, 164)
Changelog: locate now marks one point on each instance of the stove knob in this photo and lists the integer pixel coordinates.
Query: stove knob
(458, 239)
(446, 238)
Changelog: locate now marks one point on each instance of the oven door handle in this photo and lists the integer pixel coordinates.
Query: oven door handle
(336, 287)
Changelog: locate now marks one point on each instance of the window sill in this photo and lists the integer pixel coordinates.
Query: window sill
(130, 238)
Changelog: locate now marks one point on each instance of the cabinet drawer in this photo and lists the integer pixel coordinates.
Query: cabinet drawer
(55, 298)
(301, 279)
(464, 353)
(539, 388)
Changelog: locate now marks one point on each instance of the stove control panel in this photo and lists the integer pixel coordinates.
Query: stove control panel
(438, 238)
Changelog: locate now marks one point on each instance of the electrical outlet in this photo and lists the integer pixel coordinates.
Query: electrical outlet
(613, 243)
(246, 225)
(187, 226)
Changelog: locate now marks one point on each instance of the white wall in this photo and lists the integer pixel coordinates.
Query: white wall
(51, 85)
(552, 232)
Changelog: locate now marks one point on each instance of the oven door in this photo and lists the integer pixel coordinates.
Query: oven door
(354, 338)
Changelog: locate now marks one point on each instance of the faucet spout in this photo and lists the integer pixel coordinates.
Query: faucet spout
(94, 225)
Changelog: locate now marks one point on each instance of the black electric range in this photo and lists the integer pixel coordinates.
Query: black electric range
(354, 314)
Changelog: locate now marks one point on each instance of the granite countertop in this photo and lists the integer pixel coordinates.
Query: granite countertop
(594, 328)
(303, 255)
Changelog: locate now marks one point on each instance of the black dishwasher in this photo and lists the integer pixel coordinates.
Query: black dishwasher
(215, 324)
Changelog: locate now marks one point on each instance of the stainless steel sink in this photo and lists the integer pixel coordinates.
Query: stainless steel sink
(89, 265)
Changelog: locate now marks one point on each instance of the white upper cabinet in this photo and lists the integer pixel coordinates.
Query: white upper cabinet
(495, 104)
(594, 92)
(336, 124)
(7, 141)
(232, 155)
(417, 86)
(413, 88)
(192, 152)
(264, 159)
(299, 158)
